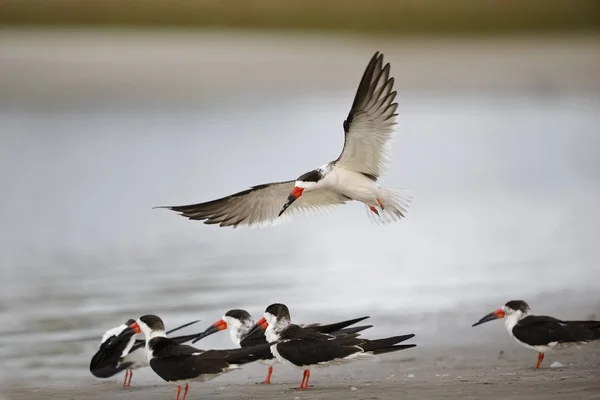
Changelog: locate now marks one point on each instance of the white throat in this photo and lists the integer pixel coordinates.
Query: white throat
(512, 319)
(238, 329)
(273, 331)
(149, 336)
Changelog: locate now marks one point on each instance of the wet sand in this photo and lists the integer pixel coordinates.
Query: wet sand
(479, 372)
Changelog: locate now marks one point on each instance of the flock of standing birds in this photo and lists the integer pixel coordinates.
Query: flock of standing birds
(274, 339)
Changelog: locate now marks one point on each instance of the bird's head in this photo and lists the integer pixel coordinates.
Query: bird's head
(305, 182)
(239, 323)
(514, 309)
(275, 318)
(150, 325)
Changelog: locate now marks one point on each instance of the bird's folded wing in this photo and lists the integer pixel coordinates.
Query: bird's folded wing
(541, 330)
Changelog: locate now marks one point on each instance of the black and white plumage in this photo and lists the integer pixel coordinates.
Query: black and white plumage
(307, 349)
(180, 363)
(119, 350)
(354, 175)
(240, 323)
(542, 333)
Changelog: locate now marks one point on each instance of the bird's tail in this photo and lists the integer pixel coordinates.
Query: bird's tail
(387, 345)
(395, 204)
(335, 326)
(586, 330)
(356, 329)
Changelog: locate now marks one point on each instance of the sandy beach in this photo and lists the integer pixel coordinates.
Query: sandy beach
(488, 372)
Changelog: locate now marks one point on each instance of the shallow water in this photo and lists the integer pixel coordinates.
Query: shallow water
(505, 186)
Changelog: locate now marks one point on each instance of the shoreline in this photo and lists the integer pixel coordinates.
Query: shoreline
(490, 372)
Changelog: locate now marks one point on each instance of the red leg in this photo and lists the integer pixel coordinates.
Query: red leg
(130, 376)
(126, 376)
(540, 359)
(380, 204)
(268, 380)
(303, 379)
(304, 384)
(374, 210)
(178, 391)
(187, 387)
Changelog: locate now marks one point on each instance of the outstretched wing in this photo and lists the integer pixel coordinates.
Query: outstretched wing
(259, 205)
(370, 123)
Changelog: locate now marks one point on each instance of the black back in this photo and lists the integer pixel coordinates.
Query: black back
(303, 347)
(177, 339)
(174, 362)
(258, 337)
(541, 330)
(105, 363)
(255, 339)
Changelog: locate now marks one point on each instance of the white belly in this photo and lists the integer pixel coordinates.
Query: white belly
(352, 184)
(138, 357)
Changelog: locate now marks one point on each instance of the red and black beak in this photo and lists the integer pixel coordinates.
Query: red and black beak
(218, 326)
(296, 193)
(258, 329)
(134, 327)
(498, 314)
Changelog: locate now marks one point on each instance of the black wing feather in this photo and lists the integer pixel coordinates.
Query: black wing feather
(224, 211)
(335, 326)
(105, 363)
(309, 352)
(541, 330)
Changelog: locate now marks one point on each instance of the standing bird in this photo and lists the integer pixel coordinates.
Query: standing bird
(119, 350)
(180, 363)
(541, 333)
(352, 176)
(240, 322)
(307, 349)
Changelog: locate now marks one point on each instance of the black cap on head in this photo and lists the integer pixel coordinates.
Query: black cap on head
(153, 322)
(278, 310)
(518, 305)
(311, 176)
(241, 315)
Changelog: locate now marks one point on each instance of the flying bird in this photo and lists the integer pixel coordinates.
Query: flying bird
(354, 175)
(542, 333)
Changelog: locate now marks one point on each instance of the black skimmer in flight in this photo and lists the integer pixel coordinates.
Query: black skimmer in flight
(240, 322)
(180, 363)
(119, 350)
(353, 175)
(307, 349)
(542, 333)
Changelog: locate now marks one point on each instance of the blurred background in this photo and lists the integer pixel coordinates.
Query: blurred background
(110, 108)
